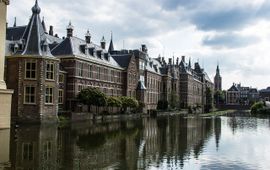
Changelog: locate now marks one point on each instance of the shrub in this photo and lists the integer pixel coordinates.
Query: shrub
(162, 105)
(255, 108)
(128, 102)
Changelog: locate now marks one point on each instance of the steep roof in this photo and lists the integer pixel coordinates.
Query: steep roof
(15, 33)
(234, 88)
(123, 59)
(75, 46)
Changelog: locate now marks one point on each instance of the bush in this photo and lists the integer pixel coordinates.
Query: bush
(129, 102)
(255, 108)
(162, 105)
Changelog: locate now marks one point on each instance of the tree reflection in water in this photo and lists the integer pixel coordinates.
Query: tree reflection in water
(163, 142)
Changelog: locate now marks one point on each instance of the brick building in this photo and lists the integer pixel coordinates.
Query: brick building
(48, 72)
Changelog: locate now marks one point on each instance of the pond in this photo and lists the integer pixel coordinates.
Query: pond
(172, 142)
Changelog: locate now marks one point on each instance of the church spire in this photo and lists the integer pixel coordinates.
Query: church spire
(111, 46)
(43, 24)
(15, 22)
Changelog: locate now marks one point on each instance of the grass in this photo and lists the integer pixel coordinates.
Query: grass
(218, 113)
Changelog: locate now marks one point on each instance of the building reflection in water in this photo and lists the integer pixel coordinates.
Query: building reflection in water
(133, 144)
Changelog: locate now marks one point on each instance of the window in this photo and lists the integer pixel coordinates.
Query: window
(98, 73)
(80, 66)
(50, 71)
(49, 95)
(141, 65)
(61, 78)
(30, 70)
(61, 96)
(27, 153)
(29, 95)
(90, 71)
(47, 150)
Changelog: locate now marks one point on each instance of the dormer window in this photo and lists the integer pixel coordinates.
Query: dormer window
(99, 54)
(82, 49)
(91, 51)
(106, 56)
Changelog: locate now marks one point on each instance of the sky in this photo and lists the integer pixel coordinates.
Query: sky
(233, 33)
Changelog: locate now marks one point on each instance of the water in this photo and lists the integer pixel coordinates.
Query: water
(164, 143)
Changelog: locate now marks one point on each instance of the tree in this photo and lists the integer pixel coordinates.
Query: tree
(209, 100)
(219, 97)
(114, 102)
(92, 96)
(128, 102)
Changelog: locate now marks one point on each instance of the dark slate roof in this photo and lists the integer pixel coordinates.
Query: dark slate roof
(111, 47)
(64, 48)
(233, 88)
(122, 59)
(75, 46)
(15, 33)
(34, 35)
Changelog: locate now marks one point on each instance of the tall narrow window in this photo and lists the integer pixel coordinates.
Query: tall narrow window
(61, 96)
(80, 69)
(50, 71)
(98, 72)
(30, 70)
(29, 95)
(49, 95)
(28, 152)
(90, 71)
(61, 78)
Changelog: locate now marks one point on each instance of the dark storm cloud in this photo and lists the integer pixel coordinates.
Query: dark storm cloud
(229, 40)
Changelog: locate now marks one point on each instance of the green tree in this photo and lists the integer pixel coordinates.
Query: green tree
(209, 100)
(219, 97)
(128, 102)
(114, 101)
(92, 96)
(255, 108)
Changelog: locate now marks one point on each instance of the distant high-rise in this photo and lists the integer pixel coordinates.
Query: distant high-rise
(218, 80)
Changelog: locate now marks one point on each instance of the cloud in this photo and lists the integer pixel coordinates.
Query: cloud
(235, 32)
(229, 40)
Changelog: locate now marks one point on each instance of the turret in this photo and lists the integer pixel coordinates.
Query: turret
(88, 37)
(103, 43)
(70, 29)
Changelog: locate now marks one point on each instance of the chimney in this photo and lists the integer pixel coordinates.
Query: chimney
(88, 37)
(103, 43)
(184, 59)
(51, 30)
(144, 48)
(177, 61)
(70, 30)
(170, 61)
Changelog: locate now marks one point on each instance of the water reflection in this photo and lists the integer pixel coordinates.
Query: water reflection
(163, 143)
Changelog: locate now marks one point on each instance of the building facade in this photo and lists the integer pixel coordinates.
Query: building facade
(5, 95)
(49, 72)
(233, 95)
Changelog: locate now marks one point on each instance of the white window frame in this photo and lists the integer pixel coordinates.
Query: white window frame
(50, 71)
(49, 95)
(29, 95)
(31, 70)
(60, 97)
